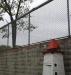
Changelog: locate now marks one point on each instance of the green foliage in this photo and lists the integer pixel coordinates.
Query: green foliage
(1, 18)
(4, 47)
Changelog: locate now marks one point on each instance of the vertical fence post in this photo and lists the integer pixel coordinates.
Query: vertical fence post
(68, 16)
(29, 31)
(8, 37)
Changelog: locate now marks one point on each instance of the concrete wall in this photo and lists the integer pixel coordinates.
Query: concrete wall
(25, 61)
(21, 62)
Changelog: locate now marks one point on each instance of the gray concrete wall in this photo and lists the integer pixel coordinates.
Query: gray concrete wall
(24, 61)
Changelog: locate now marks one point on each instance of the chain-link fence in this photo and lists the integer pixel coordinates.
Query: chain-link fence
(48, 22)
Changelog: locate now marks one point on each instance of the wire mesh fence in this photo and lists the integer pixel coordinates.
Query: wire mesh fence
(46, 23)
(49, 21)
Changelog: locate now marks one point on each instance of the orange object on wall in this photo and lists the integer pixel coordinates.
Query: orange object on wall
(53, 44)
(52, 47)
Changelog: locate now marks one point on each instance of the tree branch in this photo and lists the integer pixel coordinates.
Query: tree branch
(8, 8)
(12, 3)
(4, 8)
(18, 9)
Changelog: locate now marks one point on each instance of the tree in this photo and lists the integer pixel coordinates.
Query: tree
(15, 9)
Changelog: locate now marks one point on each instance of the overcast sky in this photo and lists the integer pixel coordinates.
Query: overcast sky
(51, 22)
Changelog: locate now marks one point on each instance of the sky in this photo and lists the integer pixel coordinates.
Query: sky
(51, 22)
